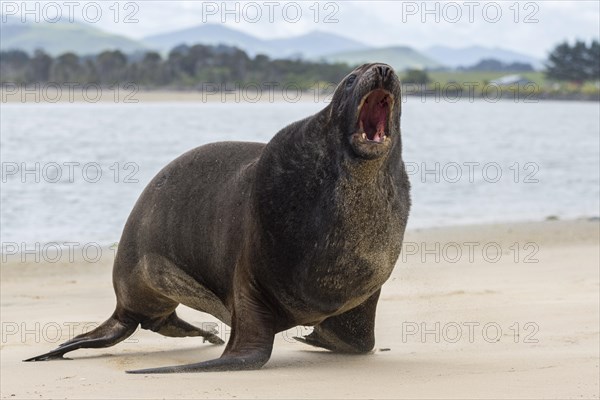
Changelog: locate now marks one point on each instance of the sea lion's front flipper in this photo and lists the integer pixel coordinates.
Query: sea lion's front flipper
(249, 347)
(351, 332)
(237, 356)
(247, 361)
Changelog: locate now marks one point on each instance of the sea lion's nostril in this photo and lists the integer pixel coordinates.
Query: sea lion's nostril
(385, 71)
(382, 70)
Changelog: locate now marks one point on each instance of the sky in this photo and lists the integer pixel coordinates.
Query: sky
(530, 27)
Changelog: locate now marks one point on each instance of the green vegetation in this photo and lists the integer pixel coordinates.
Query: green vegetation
(62, 37)
(491, 64)
(483, 77)
(185, 67)
(540, 85)
(577, 63)
(417, 76)
(193, 67)
(571, 70)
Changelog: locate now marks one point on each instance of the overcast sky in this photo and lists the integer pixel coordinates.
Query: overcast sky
(531, 27)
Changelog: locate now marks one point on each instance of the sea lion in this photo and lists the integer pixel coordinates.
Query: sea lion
(301, 231)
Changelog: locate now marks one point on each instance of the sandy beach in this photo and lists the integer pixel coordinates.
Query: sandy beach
(489, 311)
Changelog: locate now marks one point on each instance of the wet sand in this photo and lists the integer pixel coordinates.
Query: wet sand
(490, 311)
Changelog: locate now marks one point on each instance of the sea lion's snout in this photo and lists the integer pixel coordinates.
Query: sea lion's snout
(383, 70)
(381, 76)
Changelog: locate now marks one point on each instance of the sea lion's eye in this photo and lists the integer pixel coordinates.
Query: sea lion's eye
(350, 80)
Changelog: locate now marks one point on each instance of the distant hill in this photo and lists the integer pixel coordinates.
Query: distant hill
(310, 45)
(467, 56)
(209, 34)
(62, 37)
(399, 57)
(314, 45)
(81, 38)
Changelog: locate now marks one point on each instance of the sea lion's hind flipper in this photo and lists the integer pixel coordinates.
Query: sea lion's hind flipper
(111, 332)
(173, 326)
(315, 341)
(352, 332)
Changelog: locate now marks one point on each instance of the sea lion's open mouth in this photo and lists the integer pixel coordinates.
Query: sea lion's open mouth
(374, 113)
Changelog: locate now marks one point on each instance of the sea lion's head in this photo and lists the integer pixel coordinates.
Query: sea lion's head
(366, 106)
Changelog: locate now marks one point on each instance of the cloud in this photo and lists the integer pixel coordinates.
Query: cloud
(531, 27)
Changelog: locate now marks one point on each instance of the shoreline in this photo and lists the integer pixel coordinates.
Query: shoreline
(515, 316)
(133, 95)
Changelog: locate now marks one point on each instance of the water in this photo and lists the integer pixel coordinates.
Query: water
(547, 154)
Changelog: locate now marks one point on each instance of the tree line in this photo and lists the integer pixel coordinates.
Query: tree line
(577, 63)
(184, 66)
(191, 66)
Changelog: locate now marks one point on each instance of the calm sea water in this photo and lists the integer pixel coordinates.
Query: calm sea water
(72, 172)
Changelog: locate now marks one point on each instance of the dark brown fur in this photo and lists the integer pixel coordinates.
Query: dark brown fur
(301, 231)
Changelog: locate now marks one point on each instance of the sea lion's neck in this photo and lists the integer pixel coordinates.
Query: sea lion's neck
(350, 167)
(307, 168)
(315, 150)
